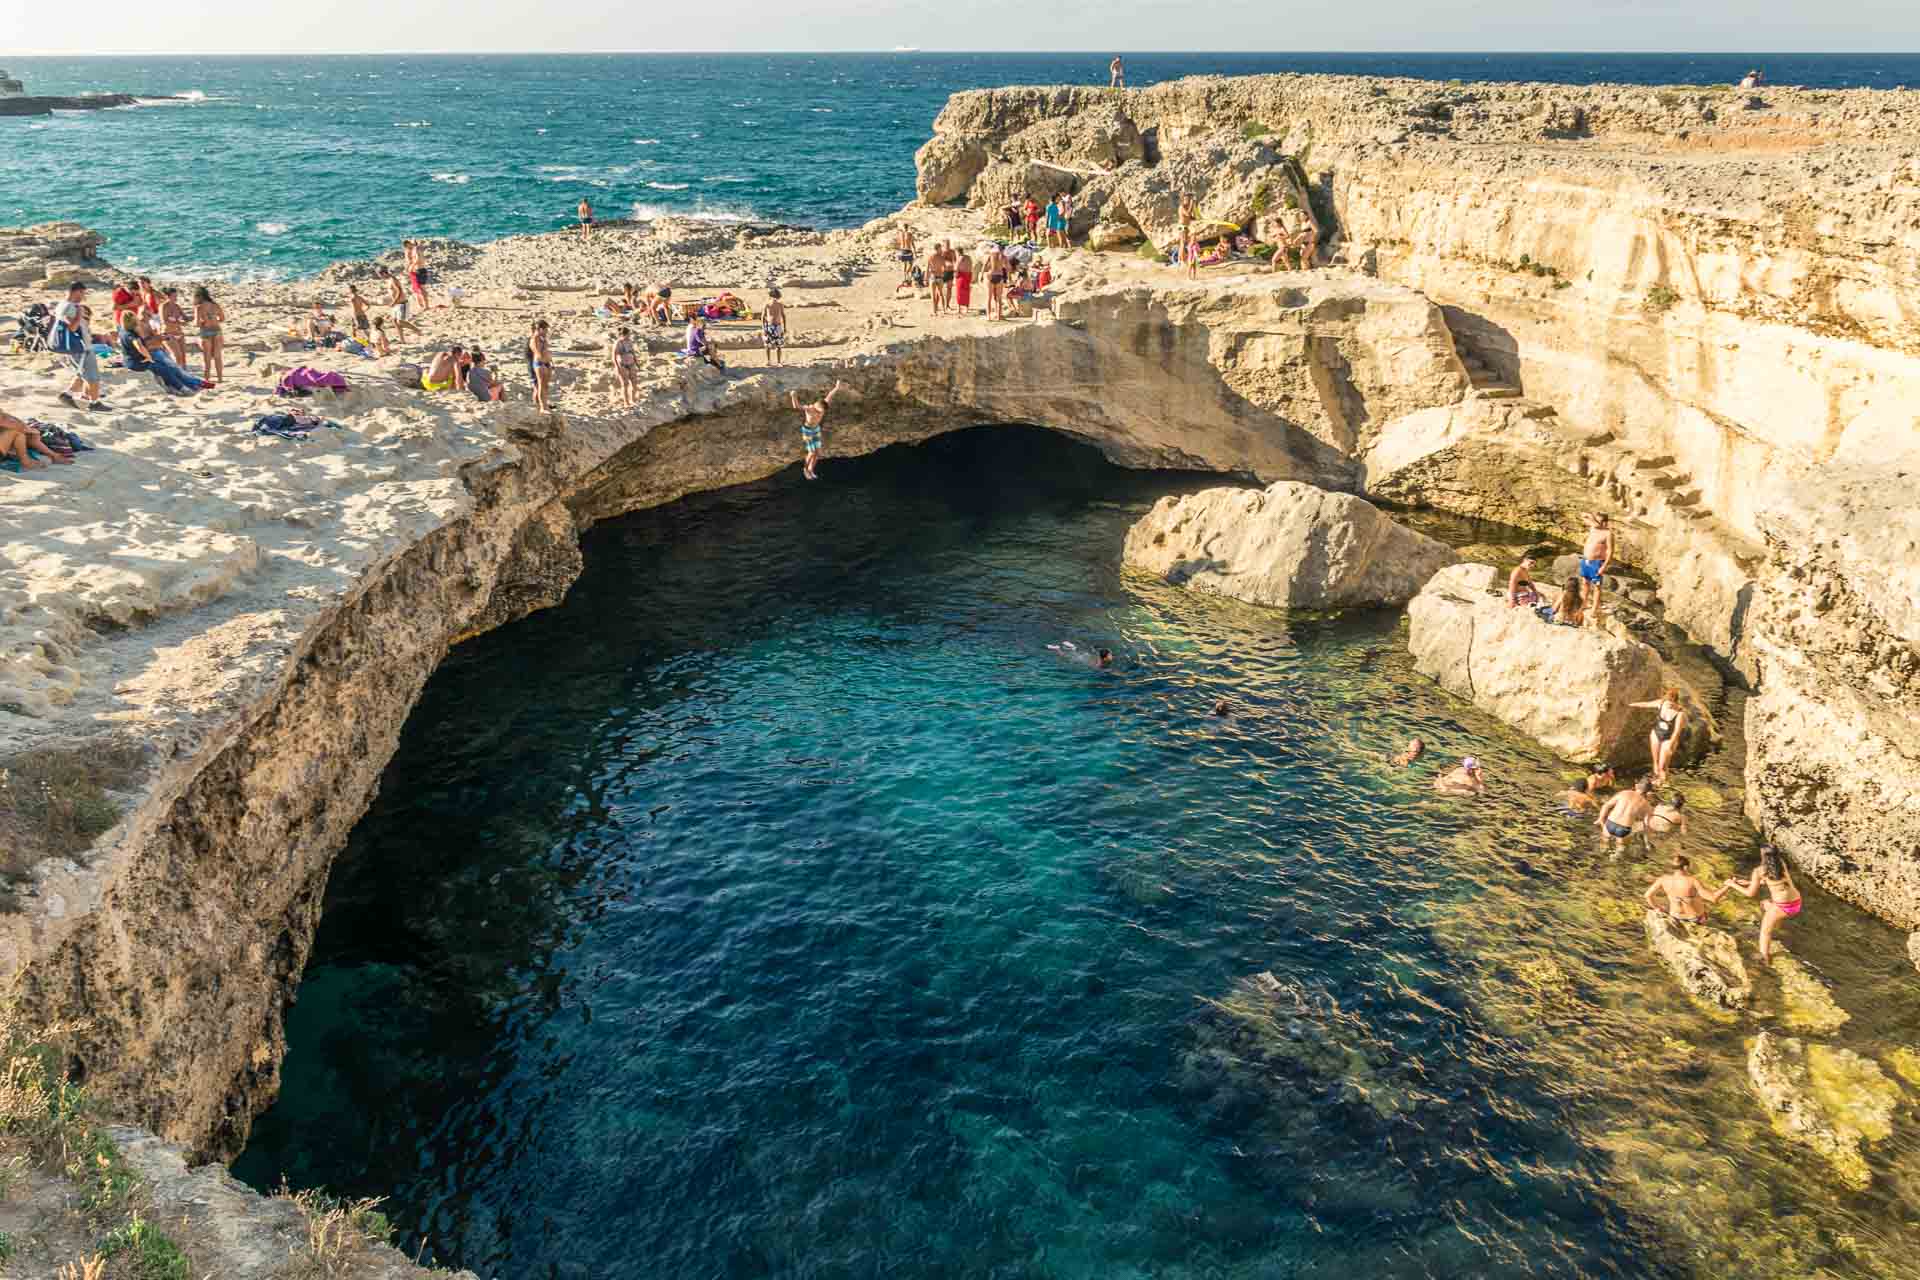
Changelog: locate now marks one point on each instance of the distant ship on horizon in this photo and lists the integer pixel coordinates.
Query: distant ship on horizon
(906, 48)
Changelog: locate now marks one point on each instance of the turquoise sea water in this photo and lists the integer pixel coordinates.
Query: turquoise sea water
(781, 905)
(278, 166)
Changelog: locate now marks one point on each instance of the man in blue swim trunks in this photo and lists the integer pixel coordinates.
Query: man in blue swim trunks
(811, 417)
(1595, 559)
(1626, 814)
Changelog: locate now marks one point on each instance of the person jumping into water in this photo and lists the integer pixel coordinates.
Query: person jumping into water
(811, 417)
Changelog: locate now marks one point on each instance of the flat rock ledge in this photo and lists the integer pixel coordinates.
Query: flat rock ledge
(1706, 962)
(1805, 1003)
(1291, 545)
(1832, 1101)
(1571, 689)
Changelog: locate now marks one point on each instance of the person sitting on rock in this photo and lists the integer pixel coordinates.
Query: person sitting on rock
(1464, 779)
(699, 345)
(1521, 591)
(1412, 753)
(443, 372)
(1669, 817)
(1568, 611)
(1669, 723)
(1687, 899)
(1626, 814)
(1783, 898)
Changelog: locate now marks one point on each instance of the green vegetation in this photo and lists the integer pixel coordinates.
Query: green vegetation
(151, 1255)
(336, 1231)
(6, 1246)
(1254, 129)
(55, 803)
(1262, 197)
(1660, 298)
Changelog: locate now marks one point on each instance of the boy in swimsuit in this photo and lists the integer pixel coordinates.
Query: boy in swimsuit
(1412, 753)
(1687, 899)
(540, 359)
(1579, 798)
(362, 328)
(773, 328)
(1625, 814)
(586, 218)
(397, 306)
(811, 417)
(623, 368)
(1595, 558)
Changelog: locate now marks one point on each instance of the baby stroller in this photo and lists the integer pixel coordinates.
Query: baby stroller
(36, 322)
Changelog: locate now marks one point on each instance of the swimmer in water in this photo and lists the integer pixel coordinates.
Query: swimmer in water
(1579, 798)
(1222, 707)
(1412, 753)
(1464, 779)
(1626, 813)
(1669, 816)
(1099, 659)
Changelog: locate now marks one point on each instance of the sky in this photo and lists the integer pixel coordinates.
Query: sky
(530, 26)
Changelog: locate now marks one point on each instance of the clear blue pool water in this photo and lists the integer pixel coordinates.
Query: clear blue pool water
(781, 905)
(279, 166)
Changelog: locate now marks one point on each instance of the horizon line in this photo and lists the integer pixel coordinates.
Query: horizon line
(1002, 53)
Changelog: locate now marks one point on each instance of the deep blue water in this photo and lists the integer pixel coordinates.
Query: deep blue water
(282, 165)
(780, 905)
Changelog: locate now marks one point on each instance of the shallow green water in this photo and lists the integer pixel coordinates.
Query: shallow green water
(781, 906)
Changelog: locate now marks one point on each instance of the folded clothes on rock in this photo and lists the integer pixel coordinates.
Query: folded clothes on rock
(303, 381)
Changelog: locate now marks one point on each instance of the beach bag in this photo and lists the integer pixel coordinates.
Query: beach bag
(66, 340)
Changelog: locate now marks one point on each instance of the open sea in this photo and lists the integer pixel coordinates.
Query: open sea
(277, 166)
(781, 905)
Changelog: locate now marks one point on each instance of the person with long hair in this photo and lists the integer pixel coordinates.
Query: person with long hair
(1670, 722)
(211, 319)
(1687, 899)
(1783, 896)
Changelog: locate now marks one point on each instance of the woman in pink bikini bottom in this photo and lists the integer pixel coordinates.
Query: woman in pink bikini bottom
(1783, 898)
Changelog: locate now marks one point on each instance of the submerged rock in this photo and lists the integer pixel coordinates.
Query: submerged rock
(1704, 959)
(1571, 689)
(1806, 1004)
(1270, 1025)
(1291, 545)
(1831, 1100)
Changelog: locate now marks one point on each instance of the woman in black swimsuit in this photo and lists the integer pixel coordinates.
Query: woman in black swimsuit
(1667, 728)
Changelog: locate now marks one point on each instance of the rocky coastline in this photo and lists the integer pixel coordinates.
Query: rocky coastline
(1690, 308)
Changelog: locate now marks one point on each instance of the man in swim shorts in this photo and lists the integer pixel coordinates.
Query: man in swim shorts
(811, 418)
(443, 372)
(1626, 813)
(904, 250)
(586, 218)
(773, 328)
(1595, 558)
(1116, 74)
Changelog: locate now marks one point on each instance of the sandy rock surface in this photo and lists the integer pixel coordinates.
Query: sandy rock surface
(1704, 960)
(1830, 1100)
(1289, 545)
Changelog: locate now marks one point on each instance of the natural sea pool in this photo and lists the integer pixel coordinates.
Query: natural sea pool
(780, 905)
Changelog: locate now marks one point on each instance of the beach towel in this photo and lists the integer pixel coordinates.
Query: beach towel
(13, 464)
(291, 426)
(304, 382)
(59, 437)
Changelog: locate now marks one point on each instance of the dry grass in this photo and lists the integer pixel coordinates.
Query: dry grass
(337, 1230)
(55, 803)
(94, 1268)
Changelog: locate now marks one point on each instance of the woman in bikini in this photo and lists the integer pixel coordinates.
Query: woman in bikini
(624, 364)
(1687, 899)
(173, 323)
(998, 269)
(211, 319)
(1783, 897)
(1671, 721)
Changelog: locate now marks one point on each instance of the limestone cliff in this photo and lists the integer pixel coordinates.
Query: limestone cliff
(1692, 307)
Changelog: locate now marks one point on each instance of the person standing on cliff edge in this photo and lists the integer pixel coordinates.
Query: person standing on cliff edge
(1596, 557)
(1116, 73)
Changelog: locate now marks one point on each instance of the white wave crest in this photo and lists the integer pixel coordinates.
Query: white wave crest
(646, 142)
(456, 179)
(644, 212)
(413, 124)
(668, 186)
(725, 177)
(272, 228)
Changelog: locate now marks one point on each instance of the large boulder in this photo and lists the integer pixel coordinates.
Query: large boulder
(1831, 1100)
(1290, 545)
(1571, 689)
(37, 254)
(947, 166)
(1705, 961)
